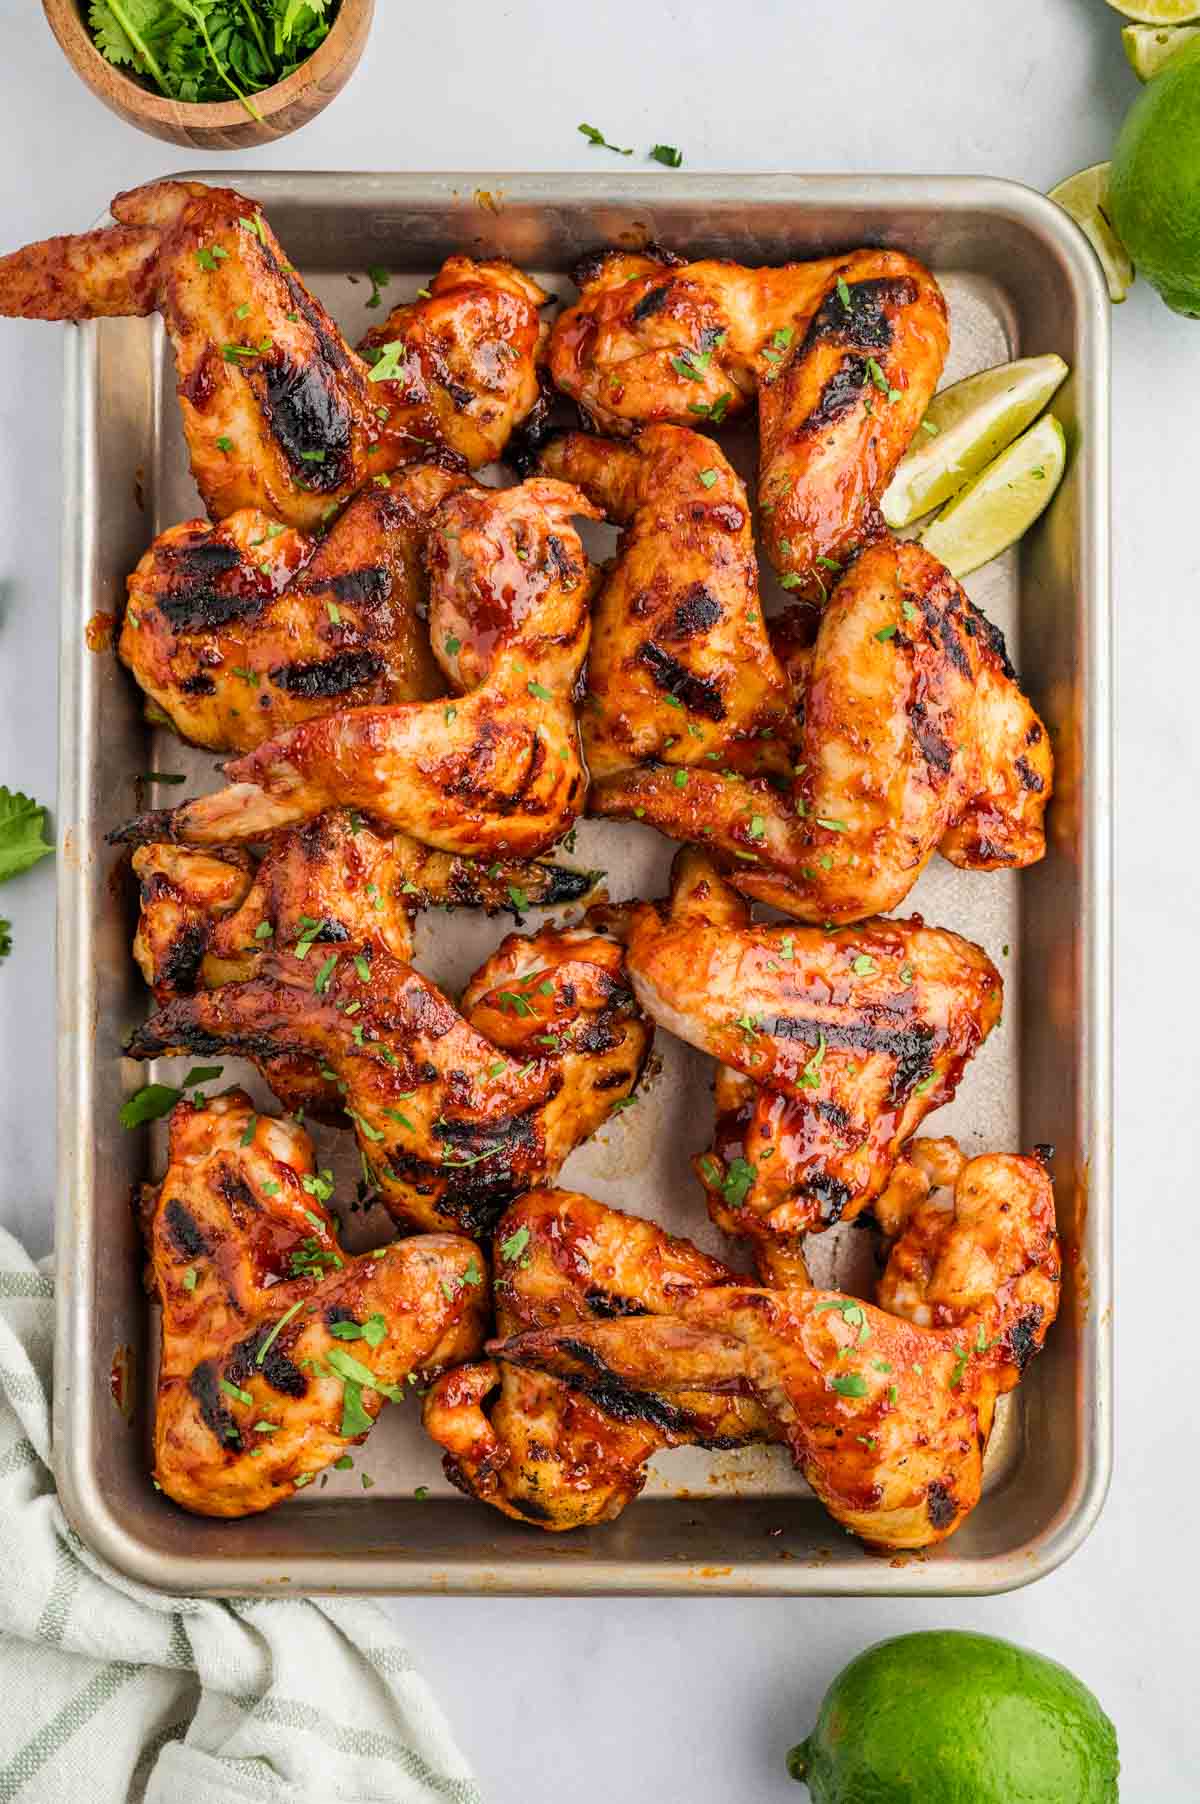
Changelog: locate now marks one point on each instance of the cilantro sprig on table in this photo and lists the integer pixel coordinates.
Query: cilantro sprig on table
(22, 844)
(203, 50)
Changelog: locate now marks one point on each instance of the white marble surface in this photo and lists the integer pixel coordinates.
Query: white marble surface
(644, 1699)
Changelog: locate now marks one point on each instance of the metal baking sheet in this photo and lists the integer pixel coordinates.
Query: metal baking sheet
(1019, 279)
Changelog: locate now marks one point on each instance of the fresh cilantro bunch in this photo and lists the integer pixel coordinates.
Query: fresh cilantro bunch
(201, 50)
(22, 825)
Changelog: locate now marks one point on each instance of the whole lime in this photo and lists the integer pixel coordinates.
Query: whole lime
(946, 1717)
(1155, 182)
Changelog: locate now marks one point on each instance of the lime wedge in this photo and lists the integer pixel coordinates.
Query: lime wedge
(1158, 12)
(1085, 198)
(964, 428)
(992, 513)
(1150, 47)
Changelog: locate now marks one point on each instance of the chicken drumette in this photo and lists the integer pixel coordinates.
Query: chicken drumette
(887, 1411)
(835, 1046)
(843, 355)
(239, 631)
(278, 1349)
(494, 770)
(529, 1445)
(681, 671)
(913, 737)
(279, 413)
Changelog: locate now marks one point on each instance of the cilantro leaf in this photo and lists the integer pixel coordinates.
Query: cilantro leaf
(22, 825)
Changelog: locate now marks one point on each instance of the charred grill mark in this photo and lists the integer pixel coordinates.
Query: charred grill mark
(199, 684)
(330, 346)
(184, 1231)
(696, 693)
(562, 884)
(559, 561)
(618, 1399)
(650, 303)
(205, 1386)
(839, 395)
(1029, 777)
(328, 676)
(935, 749)
(939, 1504)
(613, 1080)
(181, 965)
(606, 1304)
(993, 640)
(941, 613)
(200, 384)
(910, 1046)
(830, 1194)
(526, 1506)
(461, 396)
(1022, 1337)
(834, 1114)
(367, 588)
(695, 614)
(865, 323)
(280, 1372)
(597, 1036)
(308, 418)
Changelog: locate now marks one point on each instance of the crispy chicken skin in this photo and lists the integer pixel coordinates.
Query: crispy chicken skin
(887, 1414)
(526, 1443)
(843, 354)
(495, 771)
(914, 737)
(469, 369)
(245, 1261)
(240, 631)
(279, 413)
(845, 1040)
(681, 670)
(454, 1113)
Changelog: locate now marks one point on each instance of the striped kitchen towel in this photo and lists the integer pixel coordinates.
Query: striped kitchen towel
(113, 1694)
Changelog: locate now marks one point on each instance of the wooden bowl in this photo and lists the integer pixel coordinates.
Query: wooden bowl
(218, 124)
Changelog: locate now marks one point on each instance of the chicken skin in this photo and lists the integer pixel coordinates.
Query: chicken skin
(454, 1113)
(278, 1349)
(844, 1041)
(240, 631)
(468, 352)
(497, 770)
(681, 670)
(843, 355)
(887, 1410)
(278, 412)
(914, 738)
(526, 1443)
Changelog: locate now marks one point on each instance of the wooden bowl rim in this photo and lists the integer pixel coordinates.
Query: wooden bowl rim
(218, 115)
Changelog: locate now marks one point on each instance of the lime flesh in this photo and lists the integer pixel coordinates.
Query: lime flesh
(1155, 183)
(1158, 12)
(1003, 502)
(1150, 48)
(946, 1717)
(971, 422)
(1085, 197)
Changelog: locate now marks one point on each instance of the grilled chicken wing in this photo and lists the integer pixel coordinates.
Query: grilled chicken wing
(681, 670)
(279, 413)
(454, 1112)
(468, 353)
(888, 1418)
(843, 355)
(845, 1040)
(915, 738)
(278, 1349)
(496, 770)
(241, 630)
(529, 1445)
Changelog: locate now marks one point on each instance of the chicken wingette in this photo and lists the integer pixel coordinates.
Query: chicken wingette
(278, 412)
(239, 631)
(278, 1349)
(843, 1042)
(887, 1411)
(454, 1112)
(843, 355)
(913, 737)
(528, 1444)
(493, 770)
